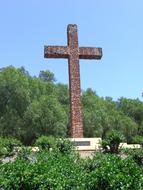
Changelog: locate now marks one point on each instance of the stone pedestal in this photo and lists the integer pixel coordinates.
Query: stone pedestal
(86, 146)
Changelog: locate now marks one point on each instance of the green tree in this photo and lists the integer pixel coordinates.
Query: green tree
(14, 99)
(93, 112)
(44, 117)
(40, 88)
(47, 76)
(101, 115)
(119, 121)
(62, 93)
(132, 108)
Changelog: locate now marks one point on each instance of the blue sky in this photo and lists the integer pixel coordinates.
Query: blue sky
(115, 25)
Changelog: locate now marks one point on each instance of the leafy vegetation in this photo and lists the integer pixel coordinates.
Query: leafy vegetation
(35, 106)
(109, 171)
(52, 143)
(138, 140)
(54, 170)
(55, 165)
(112, 140)
(8, 145)
(134, 154)
(45, 142)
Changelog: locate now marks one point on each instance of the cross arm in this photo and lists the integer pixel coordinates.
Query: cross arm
(55, 51)
(90, 53)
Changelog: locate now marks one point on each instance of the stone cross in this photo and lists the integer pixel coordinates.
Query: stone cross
(73, 53)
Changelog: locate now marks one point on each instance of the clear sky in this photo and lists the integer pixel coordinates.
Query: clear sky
(115, 25)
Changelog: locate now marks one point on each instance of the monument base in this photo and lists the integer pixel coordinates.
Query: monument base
(86, 146)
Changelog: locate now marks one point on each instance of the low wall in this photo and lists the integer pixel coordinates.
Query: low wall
(88, 146)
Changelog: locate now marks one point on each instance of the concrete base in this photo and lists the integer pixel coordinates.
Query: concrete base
(86, 146)
(86, 143)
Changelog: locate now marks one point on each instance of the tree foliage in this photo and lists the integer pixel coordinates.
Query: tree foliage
(35, 106)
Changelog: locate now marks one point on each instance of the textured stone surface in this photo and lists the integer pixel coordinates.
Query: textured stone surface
(73, 53)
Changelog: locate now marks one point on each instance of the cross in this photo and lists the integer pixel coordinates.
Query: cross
(73, 53)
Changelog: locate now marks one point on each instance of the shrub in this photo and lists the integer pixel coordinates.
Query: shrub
(7, 146)
(46, 142)
(111, 172)
(112, 139)
(25, 153)
(135, 154)
(139, 140)
(57, 144)
(65, 145)
(50, 171)
(53, 170)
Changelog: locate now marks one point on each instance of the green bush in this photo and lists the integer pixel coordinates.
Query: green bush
(138, 140)
(111, 172)
(65, 146)
(112, 140)
(53, 170)
(135, 154)
(46, 142)
(57, 144)
(8, 145)
(49, 171)
(25, 153)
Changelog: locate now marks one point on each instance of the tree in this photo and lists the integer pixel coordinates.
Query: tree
(47, 76)
(120, 121)
(93, 112)
(101, 115)
(132, 108)
(44, 117)
(40, 88)
(62, 93)
(24, 71)
(32, 106)
(14, 99)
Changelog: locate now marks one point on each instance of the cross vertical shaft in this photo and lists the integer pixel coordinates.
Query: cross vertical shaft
(76, 129)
